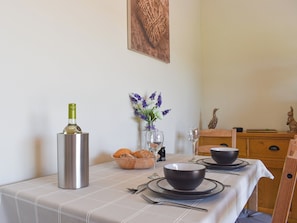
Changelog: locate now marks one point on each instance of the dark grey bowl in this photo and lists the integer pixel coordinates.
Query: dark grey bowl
(184, 176)
(224, 155)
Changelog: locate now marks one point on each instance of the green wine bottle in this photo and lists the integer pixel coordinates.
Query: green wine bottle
(72, 127)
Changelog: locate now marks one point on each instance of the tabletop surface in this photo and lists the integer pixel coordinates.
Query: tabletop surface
(107, 199)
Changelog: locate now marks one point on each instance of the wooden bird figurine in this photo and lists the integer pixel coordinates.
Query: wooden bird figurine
(291, 121)
(214, 121)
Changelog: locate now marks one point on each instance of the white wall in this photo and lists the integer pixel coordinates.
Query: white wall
(56, 52)
(249, 54)
(53, 52)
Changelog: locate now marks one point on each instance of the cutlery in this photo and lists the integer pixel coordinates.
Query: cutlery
(154, 176)
(137, 190)
(172, 203)
(142, 187)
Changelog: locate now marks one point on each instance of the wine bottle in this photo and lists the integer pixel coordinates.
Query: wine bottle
(72, 127)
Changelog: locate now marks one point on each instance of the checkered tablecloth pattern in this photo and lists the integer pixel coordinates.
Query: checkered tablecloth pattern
(106, 199)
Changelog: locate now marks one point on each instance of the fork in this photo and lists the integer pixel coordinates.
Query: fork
(139, 188)
(172, 203)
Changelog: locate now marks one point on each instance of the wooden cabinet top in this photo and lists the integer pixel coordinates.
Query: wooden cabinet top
(266, 135)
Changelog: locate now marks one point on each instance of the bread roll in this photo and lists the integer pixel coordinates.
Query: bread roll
(143, 154)
(127, 155)
(122, 152)
(141, 159)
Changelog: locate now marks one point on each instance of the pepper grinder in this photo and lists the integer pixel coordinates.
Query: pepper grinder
(162, 154)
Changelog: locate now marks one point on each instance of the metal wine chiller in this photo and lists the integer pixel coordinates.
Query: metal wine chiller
(73, 160)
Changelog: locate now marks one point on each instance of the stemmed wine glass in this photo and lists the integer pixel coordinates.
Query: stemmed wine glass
(193, 136)
(154, 140)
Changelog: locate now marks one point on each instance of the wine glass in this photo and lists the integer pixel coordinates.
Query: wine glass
(193, 136)
(154, 140)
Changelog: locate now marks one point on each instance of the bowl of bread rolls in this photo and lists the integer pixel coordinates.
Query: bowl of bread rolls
(139, 159)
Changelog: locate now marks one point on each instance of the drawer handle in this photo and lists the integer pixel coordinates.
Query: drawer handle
(289, 176)
(224, 144)
(273, 148)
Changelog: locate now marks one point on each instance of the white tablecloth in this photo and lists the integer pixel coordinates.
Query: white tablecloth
(107, 200)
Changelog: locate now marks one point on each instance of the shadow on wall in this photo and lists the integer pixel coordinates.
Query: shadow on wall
(181, 143)
(39, 123)
(102, 158)
(37, 143)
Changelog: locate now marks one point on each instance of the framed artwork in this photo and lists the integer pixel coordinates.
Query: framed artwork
(148, 28)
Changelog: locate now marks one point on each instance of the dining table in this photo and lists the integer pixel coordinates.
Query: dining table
(107, 199)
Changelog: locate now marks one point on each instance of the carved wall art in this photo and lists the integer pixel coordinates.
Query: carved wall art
(148, 28)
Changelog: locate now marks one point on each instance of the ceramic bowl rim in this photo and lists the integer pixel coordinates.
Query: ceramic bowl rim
(170, 167)
(224, 149)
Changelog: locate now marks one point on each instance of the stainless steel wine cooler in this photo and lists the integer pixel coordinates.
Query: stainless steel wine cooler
(73, 160)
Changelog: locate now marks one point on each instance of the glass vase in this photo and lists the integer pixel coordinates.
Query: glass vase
(149, 126)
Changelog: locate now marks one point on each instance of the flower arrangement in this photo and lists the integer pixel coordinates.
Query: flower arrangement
(148, 109)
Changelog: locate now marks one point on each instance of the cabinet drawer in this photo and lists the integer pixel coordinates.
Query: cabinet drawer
(240, 143)
(215, 141)
(270, 148)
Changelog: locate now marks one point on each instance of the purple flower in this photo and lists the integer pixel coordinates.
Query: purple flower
(144, 104)
(152, 97)
(159, 102)
(147, 109)
(165, 112)
(137, 96)
(142, 116)
(133, 100)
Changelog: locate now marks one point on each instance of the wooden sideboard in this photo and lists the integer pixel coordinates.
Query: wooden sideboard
(271, 148)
